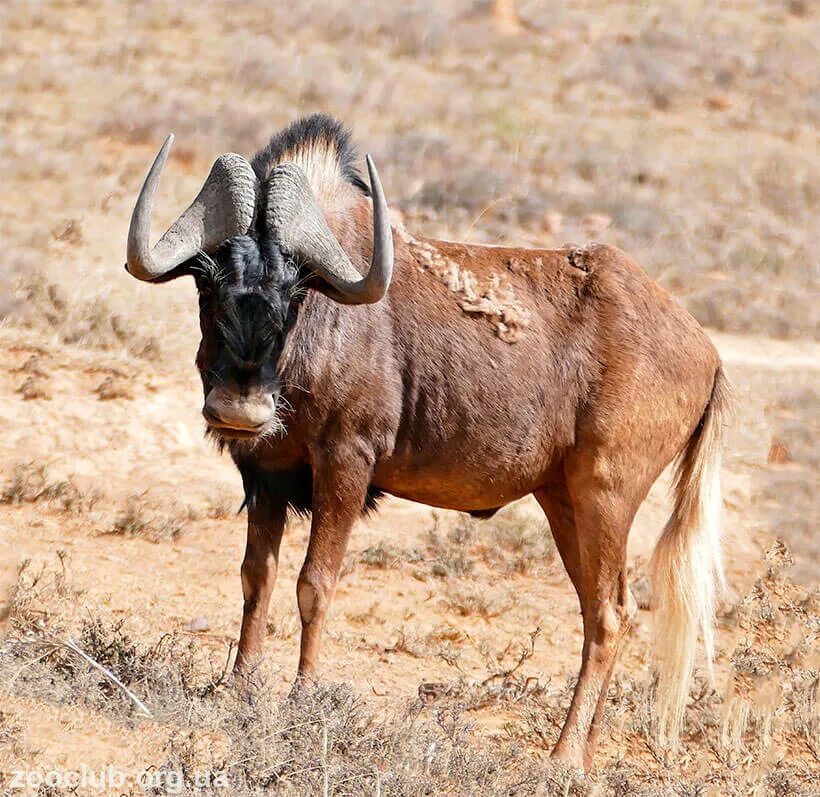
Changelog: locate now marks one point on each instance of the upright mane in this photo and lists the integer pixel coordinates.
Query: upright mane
(322, 147)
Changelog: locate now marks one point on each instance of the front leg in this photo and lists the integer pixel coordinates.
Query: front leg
(266, 522)
(340, 483)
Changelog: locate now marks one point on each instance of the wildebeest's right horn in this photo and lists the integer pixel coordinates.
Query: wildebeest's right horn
(297, 223)
(223, 208)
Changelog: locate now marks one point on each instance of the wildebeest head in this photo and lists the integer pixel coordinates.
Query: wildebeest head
(246, 238)
(246, 293)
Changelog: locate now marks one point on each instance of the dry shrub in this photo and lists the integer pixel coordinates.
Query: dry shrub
(35, 388)
(87, 322)
(31, 483)
(501, 684)
(114, 387)
(518, 543)
(787, 489)
(327, 735)
(775, 681)
(511, 541)
(384, 556)
(450, 547)
(222, 507)
(35, 586)
(471, 599)
(139, 519)
(330, 737)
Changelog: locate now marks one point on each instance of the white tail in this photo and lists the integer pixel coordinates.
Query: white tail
(686, 569)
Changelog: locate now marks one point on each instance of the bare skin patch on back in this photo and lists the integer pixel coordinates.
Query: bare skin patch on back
(493, 297)
(578, 258)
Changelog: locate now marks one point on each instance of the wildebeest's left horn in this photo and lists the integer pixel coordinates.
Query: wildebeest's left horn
(223, 208)
(297, 223)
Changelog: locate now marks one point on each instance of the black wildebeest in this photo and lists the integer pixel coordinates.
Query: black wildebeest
(338, 364)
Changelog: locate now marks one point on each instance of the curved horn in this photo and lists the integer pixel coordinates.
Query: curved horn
(297, 223)
(224, 207)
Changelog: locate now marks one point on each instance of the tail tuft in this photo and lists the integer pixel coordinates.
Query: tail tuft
(686, 569)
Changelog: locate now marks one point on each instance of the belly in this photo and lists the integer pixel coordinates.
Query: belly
(474, 465)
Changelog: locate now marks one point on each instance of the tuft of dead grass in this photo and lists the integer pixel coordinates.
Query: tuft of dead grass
(84, 321)
(787, 488)
(384, 556)
(331, 738)
(510, 542)
(138, 519)
(35, 586)
(35, 388)
(31, 483)
(470, 599)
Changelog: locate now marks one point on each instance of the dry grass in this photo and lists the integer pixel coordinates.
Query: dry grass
(473, 599)
(691, 131)
(385, 556)
(788, 487)
(31, 483)
(36, 586)
(511, 541)
(88, 322)
(138, 518)
(331, 735)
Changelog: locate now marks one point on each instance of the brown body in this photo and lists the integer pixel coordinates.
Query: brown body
(456, 375)
(421, 399)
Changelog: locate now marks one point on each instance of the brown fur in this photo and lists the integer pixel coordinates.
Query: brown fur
(577, 379)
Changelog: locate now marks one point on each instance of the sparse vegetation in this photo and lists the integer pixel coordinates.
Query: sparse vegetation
(81, 320)
(469, 599)
(35, 586)
(222, 507)
(640, 120)
(332, 735)
(137, 519)
(788, 488)
(31, 483)
(511, 541)
(382, 555)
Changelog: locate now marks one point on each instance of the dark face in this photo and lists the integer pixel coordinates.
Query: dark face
(245, 310)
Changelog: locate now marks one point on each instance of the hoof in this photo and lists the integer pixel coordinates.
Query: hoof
(303, 685)
(571, 761)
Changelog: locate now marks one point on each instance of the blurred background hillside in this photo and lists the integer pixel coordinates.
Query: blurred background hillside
(683, 131)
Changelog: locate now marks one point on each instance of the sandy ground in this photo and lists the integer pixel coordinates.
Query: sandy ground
(149, 444)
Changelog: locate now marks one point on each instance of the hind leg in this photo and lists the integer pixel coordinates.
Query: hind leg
(590, 523)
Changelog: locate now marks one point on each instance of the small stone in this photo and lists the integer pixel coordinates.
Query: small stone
(199, 624)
